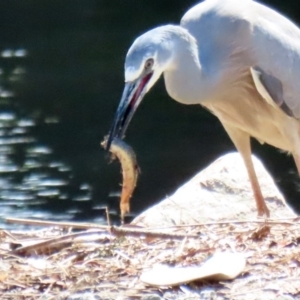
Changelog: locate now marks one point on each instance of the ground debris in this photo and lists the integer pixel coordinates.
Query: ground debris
(109, 267)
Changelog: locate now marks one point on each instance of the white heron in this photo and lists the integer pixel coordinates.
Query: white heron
(239, 59)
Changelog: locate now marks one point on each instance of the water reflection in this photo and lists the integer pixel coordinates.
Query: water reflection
(31, 180)
(9, 53)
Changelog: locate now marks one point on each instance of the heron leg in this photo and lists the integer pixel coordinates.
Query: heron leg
(241, 141)
(297, 161)
(291, 132)
(296, 156)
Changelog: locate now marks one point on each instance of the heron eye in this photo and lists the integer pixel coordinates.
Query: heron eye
(149, 63)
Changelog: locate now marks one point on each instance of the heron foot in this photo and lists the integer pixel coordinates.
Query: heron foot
(262, 210)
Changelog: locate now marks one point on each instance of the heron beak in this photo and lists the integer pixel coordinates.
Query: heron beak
(132, 96)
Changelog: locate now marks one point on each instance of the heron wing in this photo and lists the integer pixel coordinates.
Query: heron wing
(275, 46)
(266, 41)
(270, 88)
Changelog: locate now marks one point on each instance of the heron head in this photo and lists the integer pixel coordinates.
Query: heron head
(148, 57)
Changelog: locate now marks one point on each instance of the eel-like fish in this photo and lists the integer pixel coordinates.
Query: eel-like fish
(130, 171)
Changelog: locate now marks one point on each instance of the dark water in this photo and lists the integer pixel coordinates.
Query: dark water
(61, 77)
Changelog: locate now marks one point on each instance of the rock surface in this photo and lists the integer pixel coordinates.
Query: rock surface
(222, 191)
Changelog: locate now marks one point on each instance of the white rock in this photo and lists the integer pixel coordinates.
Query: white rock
(222, 191)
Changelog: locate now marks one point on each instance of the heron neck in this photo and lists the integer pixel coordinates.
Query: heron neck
(187, 81)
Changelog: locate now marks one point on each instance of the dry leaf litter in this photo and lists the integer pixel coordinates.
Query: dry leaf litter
(55, 263)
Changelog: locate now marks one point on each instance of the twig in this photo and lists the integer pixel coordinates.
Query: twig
(117, 231)
(54, 223)
(54, 242)
(266, 221)
(107, 216)
(69, 239)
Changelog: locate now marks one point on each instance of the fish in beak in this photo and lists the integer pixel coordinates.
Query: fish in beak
(132, 96)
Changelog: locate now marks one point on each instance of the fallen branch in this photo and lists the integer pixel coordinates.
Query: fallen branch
(75, 225)
(116, 231)
(266, 222)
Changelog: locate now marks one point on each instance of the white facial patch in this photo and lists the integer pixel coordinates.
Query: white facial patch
(131, 73)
